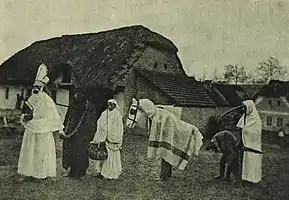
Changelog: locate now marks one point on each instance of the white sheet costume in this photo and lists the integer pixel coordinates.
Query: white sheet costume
(110, 130)
(37, 156)
(251, 136)
(170, 138)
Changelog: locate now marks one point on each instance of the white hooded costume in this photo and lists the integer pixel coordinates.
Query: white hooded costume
(251, 136)
(170, 138)
(110, 131)
(37, 156)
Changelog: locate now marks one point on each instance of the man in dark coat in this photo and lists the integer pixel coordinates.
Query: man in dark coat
(79, 130)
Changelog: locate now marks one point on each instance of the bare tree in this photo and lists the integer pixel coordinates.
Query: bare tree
(270, 69)
(236, 74)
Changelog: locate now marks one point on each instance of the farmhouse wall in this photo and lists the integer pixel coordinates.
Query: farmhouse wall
(199, 116)
(271, 104)
(274, 108)
(62, 97)
(274, 126)
(129, 93)
(8, 95)
(161, 61)
(146, 90)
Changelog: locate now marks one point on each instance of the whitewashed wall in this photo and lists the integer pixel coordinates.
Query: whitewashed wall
(62, 97)
(120, 100)
(10, 102)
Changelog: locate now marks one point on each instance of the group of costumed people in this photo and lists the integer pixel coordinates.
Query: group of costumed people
(79, 132)
(174, 143)
(160, 136)
(42, 121)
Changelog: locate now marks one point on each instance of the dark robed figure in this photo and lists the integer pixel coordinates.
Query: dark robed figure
(79, 129)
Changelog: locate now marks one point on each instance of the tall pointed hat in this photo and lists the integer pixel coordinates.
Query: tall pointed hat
(41, 76)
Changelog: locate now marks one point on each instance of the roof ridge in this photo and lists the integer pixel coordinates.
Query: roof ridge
(142, 70)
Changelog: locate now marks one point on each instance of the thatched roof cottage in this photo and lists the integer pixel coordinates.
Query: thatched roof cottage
(103, 63)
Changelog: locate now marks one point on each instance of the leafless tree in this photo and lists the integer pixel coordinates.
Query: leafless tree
(236, 74)
(269, 70)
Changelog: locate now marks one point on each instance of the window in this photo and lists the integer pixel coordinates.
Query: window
(7, 93)
(279, 103)
(269, 121)
(28, 93)
(53, 94)
(22, 92)
(155, 65)
(279, 122)
(66, 76)
(270, 102)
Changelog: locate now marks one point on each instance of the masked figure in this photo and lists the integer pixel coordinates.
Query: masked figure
(37, 156)
(251, 126)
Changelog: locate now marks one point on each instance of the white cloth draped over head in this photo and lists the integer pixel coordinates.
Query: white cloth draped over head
(45, 115)
(110, 126)
(251, 136)
(170, 138)
(41, 76)
(148, 107)
(252, 130)
(38, 156)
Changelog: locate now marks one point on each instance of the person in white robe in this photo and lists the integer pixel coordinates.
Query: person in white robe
(37, 158)
(251, 126)
(110, 131)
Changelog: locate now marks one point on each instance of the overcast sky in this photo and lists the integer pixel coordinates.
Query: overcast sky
(208, 33)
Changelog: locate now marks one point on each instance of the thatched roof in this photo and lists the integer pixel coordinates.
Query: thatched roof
(96, 58)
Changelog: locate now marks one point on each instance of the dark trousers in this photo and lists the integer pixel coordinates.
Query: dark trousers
(166, 170)
(78, 168)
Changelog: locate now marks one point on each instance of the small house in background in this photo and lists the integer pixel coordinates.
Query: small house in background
(272, 102)
(103, 64)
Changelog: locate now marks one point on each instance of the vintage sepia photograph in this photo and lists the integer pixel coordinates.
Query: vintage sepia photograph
(144, 100)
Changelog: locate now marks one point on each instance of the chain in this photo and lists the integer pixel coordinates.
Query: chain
(106, 124)
(80, 121)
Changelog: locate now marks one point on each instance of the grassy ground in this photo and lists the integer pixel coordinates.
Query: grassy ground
(138, 178)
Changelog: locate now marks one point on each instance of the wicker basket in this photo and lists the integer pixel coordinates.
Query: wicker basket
(97, 151)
